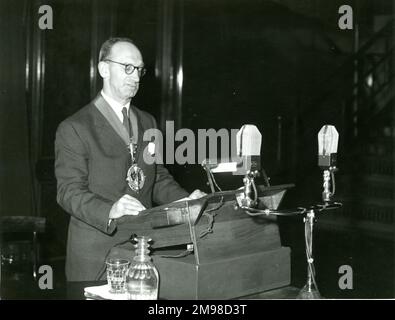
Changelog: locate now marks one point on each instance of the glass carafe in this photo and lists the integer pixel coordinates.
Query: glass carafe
(142, 280)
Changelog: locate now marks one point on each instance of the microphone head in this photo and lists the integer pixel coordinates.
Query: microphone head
(248, 140)
(328, 139)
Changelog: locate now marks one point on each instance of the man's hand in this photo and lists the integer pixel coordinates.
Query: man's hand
(197, 194)
(126, 206)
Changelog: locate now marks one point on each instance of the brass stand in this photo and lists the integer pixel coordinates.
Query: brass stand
(310, 290)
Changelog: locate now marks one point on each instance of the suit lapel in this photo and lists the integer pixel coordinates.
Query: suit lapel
(112, 118)
(114, 123)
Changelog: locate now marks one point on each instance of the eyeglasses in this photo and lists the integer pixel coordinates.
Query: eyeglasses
(129, 68)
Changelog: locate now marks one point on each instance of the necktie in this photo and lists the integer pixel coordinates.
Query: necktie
(126, 122)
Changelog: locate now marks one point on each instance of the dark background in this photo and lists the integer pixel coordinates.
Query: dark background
(284, 66)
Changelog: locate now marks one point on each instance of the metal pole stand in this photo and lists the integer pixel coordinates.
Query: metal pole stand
(310, 290)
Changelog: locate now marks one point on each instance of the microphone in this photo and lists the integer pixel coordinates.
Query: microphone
(328, 139)
(247, 163)
(248, 148)
(249, 141)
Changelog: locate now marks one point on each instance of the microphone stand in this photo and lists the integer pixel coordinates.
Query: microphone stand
(250, 192)
(310, 290)
(248, 201)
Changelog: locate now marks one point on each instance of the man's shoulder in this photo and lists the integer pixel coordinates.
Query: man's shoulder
(81, 117)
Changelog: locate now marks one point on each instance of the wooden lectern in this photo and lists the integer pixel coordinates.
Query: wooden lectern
(231, 254)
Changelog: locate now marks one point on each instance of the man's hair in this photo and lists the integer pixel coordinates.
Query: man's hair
(105, 49)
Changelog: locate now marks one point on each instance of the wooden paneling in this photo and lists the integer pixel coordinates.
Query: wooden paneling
(67, 63)
(15, 168)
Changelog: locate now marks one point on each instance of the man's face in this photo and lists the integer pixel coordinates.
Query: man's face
(119, 85)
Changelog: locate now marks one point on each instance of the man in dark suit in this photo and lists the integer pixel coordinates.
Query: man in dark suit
(92, 160)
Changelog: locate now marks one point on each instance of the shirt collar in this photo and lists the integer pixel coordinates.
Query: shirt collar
(115, 105)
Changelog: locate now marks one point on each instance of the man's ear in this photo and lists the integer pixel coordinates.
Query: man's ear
(103, 69)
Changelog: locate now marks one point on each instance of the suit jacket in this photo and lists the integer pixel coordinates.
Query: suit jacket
(91, 162)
